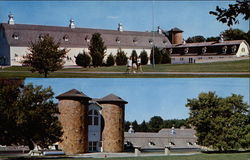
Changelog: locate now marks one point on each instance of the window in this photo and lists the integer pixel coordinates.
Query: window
(93, 117)
(242, 49)
(87, 39)
(117, 40)
(15, 36)
(150, 41)
(171, 143)
(66, 38)
(93, 146)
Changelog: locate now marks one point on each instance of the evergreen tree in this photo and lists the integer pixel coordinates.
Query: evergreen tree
(134, 56)
(83, 59)
(135, 126)
(143, 127)
(121, 58)
(45, 56)
(144, 57)
(97, 49)
(165, 57)
(157, 55)
(110, 60)
(221, 123)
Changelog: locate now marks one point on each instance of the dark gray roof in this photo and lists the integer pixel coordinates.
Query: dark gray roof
(112, 98)
(208, 44)
(73, 94)
(77, 37)
(184, 138)
(176, 30)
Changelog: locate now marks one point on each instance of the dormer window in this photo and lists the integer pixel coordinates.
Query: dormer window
(233, 49)
(135, 40)
(87, 39)
(151, 143)
(186, 50)
(164, 41)
(170, 51)
(224, 49)
(66, 38)
(150, 41)
(190, 143)
(171, 143)
(204, 50)
(41, 37)
(117, 40)
(15, 36)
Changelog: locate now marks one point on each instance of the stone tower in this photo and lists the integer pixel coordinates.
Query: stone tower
(176, 36)
(113, 115)
(73, 108)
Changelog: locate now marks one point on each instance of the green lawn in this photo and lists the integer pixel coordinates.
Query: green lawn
(228, 156)
(235, 66)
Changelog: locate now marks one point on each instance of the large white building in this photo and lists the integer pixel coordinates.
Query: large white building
(15, 39)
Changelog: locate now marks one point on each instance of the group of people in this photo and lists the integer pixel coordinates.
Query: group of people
(134, 65)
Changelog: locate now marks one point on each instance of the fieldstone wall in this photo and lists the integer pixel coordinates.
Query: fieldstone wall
(73, 117)
(113, 133)
(177, 38)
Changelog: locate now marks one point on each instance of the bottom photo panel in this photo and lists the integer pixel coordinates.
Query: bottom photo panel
(130, 118)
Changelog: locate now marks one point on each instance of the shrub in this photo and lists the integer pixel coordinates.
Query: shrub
(83, 59)
(110, 60)
(144, 57)
(121, 58)
(157, 56)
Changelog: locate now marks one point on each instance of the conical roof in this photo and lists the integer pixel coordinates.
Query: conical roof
(73, 94)
(112, 98)
(175, 29)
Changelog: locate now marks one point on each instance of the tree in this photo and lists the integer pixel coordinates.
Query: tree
(165, 57)
(33, 117)
(155, 123)
(97, 49)
(45, 56)
(121, 58)
(143, 127)
(229, 16)
(134, 56)
(157, 55)
(83, 59)
(144, 57)
(236, 34)
(195, 39)
(110, 60)
(220, 123)
(213, 39)
(135, 125)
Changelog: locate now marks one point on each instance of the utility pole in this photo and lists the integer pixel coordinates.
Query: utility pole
(153, 43)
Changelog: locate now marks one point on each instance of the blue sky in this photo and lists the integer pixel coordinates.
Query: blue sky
(190, 16)
(149, 97)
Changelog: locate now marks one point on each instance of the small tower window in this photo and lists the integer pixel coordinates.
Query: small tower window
(15, 36)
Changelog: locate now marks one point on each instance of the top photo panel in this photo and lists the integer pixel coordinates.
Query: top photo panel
(124, 39)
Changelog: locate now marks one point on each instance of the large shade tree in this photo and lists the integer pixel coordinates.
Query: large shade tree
(220, 123)
(28, 116)
(230, 15)
(45, 56)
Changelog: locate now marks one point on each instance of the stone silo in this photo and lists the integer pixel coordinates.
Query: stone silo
(113, 115)
(73, 108)
(176, 36)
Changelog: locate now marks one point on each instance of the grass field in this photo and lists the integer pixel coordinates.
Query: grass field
(235, 66)
(228, 156)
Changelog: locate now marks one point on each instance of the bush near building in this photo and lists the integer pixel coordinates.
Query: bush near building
(165, 57)
(121, 58)
(134, 56)
(144, 57)
(83, 59)
(110, 60)
(157, 55)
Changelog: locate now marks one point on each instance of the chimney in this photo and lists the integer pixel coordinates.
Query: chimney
(120, 27)
(72, 24)
(159, 30)
(11, 19)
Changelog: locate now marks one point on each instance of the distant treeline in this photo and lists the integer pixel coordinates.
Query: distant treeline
(155, 124)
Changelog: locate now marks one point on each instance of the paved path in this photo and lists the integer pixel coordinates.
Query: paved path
(146, 73)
